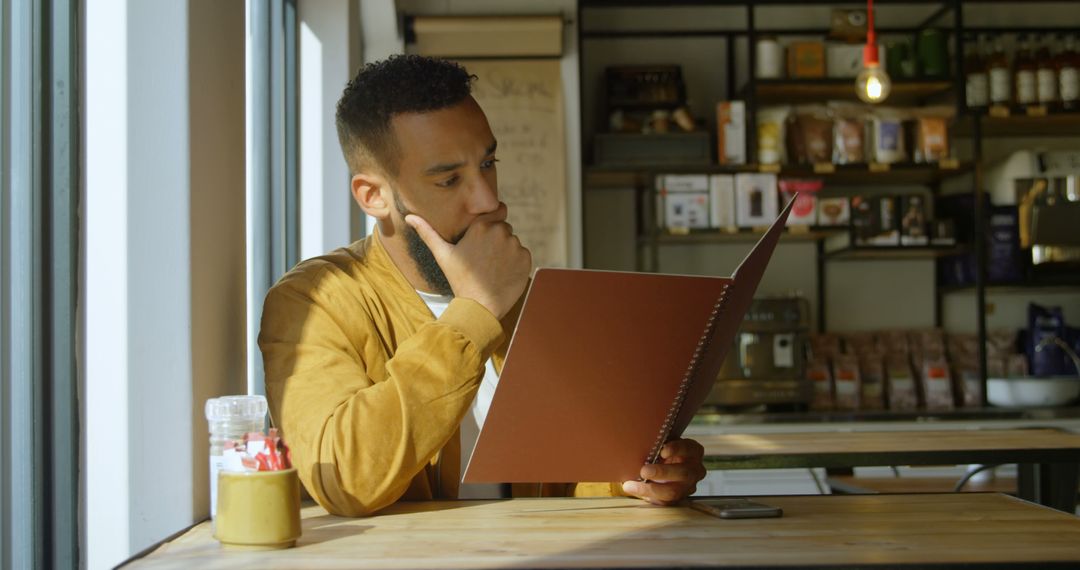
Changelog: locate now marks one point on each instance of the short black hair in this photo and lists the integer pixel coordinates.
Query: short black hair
(380, 90)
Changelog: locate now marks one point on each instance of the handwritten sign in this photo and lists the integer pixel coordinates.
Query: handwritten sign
(523, 101)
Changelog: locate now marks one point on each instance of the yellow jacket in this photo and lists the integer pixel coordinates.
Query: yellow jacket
(369, 389)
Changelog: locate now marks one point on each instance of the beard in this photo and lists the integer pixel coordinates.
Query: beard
(421, 255)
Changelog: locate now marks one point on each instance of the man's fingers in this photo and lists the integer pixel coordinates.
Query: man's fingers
(658, 493)
(683, 448)
(673, 472)
(438, 246)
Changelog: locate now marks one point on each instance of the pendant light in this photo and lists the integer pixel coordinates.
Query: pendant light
(872, 84)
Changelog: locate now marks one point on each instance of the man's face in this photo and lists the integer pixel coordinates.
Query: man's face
(446, 175)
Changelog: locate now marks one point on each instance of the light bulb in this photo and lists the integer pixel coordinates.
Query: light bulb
(872, 84)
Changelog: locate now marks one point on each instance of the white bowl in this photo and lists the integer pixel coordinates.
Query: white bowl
(1030, 391)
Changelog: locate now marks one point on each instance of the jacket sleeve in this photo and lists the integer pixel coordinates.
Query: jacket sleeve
(358, 443)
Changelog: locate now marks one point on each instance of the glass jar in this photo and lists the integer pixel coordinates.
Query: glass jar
(230, 418)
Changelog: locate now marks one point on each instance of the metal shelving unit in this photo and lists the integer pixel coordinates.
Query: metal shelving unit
(969, 123)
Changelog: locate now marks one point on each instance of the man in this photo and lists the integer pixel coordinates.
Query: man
(375, 353)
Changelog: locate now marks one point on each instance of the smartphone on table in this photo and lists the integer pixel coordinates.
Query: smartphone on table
(736, 508)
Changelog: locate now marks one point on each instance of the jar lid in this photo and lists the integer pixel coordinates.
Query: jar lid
(236, 407)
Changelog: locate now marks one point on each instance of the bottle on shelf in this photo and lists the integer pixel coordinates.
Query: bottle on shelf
(1026, 69)
(977, 82)
(1046, 76)
(1069, 76)
(1000, 75)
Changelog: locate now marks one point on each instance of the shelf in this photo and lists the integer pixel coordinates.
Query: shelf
(639, 176)
(1016, 288)
(1059, 124)
(872, 253)
(714, 416)
(777, 91)
(894, 174)
(741, 236)
(731, 3)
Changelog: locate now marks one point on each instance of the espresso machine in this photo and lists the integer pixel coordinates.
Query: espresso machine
(765, 364)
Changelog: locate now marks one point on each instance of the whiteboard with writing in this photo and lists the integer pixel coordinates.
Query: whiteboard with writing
(523, 100)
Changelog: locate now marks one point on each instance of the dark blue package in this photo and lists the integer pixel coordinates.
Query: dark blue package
(1005, 259)
(1045, 323)
(1006, 262)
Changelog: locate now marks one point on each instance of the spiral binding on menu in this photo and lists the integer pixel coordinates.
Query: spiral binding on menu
(691, 369)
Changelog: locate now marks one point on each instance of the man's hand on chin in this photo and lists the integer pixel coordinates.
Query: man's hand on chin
(674, 478)
(488, 265)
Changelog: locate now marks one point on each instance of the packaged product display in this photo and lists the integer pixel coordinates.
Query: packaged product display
(684, 201)
(804, 212)
(809, 136)
(722, 201)
(849, 134)
(875, 221)
(769, 58)
(902, 391)
(914, 220)
(731, 132)
(771, 122)
(847, 382)
(806, 60)
(931, 139)
(820, 377)
(834, 212)
(887, 141)
(872, 376)
(755, 199)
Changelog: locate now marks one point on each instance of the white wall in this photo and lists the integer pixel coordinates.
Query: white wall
(162, 234)
(324, 68)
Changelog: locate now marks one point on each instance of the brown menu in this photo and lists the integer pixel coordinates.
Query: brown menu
(605, 367)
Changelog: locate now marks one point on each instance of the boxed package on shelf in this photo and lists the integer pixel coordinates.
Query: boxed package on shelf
(755, 199)
(806, 60)
(848, 385)
(768, 58)
(685, 200)
(963, 353)
(872, 376)
(834, 212)
(848, 25)
(1006, 261)
(771, 123)
(808, 135)
(849, 133)
(722, 201)
(901, 389)
(804, 212)
(888, 136)
(731, 132)
(820, 377)
(937, 382)
(846, 60)
(931, 136)
(913, 222)
(874, 221)
(928, 354)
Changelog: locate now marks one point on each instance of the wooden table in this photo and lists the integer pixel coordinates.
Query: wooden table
(1047, 459)
(840, 531)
